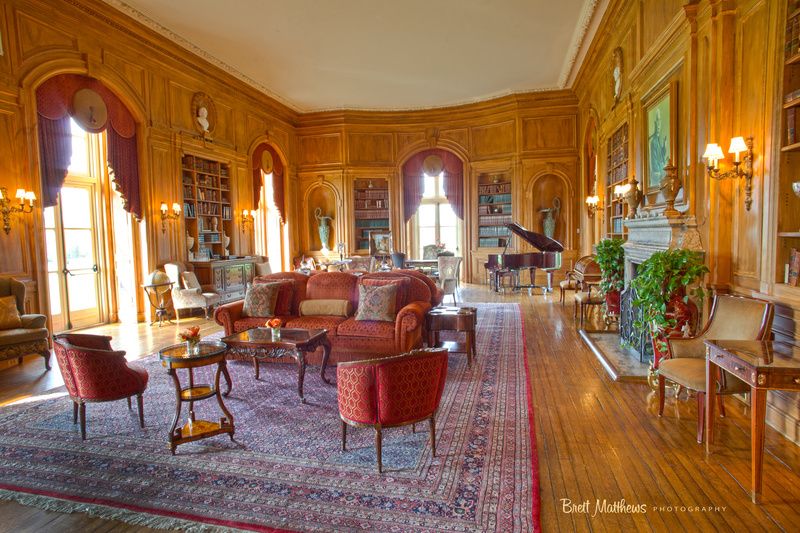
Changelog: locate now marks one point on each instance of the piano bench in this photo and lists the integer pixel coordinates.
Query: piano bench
(583, 300)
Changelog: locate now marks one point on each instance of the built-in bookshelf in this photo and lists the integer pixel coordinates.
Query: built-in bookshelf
(494, 210)
(371, 209)
(207, 204)
(617, 174)
(789, 204)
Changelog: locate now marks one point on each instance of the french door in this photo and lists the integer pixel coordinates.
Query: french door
(73, 265)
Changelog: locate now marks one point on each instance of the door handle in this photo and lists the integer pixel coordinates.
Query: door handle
(95, 269)
(66, 271)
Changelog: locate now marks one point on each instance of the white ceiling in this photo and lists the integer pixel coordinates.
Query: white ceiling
(380, 54)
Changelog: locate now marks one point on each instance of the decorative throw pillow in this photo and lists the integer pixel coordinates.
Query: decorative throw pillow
(283, 305)
(9, 316)
(402, 288)
(259, 300)
(326, 308)
(376, 302)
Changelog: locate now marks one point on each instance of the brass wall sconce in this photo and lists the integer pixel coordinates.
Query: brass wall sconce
(247, 218)
(713, 155)
(7, 209)
(166, 215)
(592, 203)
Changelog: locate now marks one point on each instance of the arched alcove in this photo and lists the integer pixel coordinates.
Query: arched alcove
(543, 191)
(321, 196)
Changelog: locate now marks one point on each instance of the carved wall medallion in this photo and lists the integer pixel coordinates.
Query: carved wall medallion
(267, 163)
(89, 110)
(204, 113)
(616, 74)
(432, 165)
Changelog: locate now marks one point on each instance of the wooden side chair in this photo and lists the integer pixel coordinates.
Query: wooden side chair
(569, 283)
(731, 318)
(390, 392)
(94, 372)
(584, 302)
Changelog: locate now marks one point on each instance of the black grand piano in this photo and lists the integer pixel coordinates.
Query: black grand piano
(548, 258)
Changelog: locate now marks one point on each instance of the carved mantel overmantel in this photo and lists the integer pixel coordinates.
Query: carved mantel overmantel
(648, 235)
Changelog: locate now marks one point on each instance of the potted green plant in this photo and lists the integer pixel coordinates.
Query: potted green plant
(610, 256)
(662, 294)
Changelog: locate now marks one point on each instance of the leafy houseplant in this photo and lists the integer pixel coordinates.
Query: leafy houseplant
(661, 294)
(610, 256)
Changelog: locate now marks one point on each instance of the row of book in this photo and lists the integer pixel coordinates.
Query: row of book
(494, 188)
(226, 212)
(791, 119)
(204, 238)
(372, 213)
(491, 243)
(369, 204)
(199, 164)
(372, 194)
(208, 209)
(492, 209)
(616, 225)
(188, 210)
(493, 231)
(372, 223)
(494, 199)
(495, 219)
(792, 42)
(618, 173)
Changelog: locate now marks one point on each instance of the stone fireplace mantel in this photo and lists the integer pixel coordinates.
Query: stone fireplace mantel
(648, 235)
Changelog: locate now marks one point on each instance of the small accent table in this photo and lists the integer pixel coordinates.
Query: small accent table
(461, 319)
(258, 343)
(763, 365)
(207, 353)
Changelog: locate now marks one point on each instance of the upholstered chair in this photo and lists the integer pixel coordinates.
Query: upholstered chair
(448, 274)
(94, 372)
(390, 392)
(30, 335)
(731, 318)
(187, 293)
(398, 260)
(429, 251)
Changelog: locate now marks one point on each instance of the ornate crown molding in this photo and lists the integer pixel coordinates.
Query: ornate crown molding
(577, 43)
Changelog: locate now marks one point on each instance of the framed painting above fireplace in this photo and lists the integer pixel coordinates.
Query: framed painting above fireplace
(660, 127)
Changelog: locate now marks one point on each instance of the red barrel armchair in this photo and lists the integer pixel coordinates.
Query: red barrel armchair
(389, 392)
(94, 372)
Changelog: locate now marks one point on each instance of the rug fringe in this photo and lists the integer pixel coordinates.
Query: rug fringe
(135, 518)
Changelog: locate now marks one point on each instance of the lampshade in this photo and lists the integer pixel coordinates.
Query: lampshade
(713, 152)
(245, 213)
(20, 194)
(737, 145)
(176, 208)
(163, 207)
(592, 200)
(1, 194)
(30, 196)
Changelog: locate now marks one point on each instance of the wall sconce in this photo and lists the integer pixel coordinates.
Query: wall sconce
(7, 209)
(247, 218)
(621, 190)
(592, 204)
(631, 194)
(166, 215)
(713, 155)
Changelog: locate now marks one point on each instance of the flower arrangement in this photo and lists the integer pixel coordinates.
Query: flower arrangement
(275, 324)
(191, 336)
(440, 247)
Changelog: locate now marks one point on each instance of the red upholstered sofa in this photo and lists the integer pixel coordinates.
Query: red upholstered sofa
(350, 339)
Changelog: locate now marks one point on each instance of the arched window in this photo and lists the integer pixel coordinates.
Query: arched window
(435, 222)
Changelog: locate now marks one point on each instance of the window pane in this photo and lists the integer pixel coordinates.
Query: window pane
(55, 294)
(449, 237)
(76, 207)
(52, 254)
(49, 217)
(430, 187)
(446, 215)
(79, 164)
(82, 291)
(78, 247)
(427, 214)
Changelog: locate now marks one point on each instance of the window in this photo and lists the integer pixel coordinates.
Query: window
(268, 229)
(435, 220)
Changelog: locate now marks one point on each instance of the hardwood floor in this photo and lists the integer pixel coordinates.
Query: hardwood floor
(596, 439)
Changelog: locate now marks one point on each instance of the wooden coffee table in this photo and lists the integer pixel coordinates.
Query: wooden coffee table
(461, 319)
(258, 343)
(207, 353)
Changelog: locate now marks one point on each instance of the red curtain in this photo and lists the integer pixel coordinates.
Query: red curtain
(277, 178)
(413, 182)
(54, 107)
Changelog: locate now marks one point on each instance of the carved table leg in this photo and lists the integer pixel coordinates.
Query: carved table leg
(301, 374)
(222, 368)
(255, 366)
(191, 403)
(758, 409)
(711, 400)
(326, 353)
(176, 381)
(227, 379)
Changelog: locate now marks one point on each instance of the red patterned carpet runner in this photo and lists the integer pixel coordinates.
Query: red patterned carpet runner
(286, 470)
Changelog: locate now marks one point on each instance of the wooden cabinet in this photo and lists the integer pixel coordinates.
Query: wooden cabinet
(494, 210)
(371, 209)
(228, 278)
(207, 205)
(616, 207)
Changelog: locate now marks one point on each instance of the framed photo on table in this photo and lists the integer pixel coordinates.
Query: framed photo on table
(380, 243)
(660, 134)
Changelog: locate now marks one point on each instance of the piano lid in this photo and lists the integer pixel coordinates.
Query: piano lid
(539, 241)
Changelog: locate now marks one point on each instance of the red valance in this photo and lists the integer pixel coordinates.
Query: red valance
(54, 106)
(277, 178)
(452, 182)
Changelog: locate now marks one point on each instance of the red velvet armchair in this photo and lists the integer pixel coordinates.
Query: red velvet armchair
(94, 372)
(389, 392)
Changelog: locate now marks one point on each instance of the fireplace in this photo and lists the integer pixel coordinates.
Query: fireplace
(646, 236)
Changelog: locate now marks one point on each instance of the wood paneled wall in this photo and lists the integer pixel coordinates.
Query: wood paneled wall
(532, 137)
(157, 81)
(725, 57)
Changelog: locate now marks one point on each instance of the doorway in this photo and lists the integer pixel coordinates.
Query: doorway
(90, 244)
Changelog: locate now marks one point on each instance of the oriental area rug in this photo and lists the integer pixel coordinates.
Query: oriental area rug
(286, 470)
